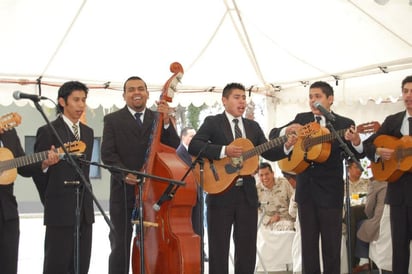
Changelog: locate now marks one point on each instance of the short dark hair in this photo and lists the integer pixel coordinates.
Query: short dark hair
(265, 165)
(227, 90)
(408, 79)
(133, 78)
(184, 131)
(66, 89)
(325, 87)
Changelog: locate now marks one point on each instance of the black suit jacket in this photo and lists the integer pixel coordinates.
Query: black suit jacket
(8, 204)
(399, 192)
(59, 199)
(215, 133)
(323, 182)
(124, 145)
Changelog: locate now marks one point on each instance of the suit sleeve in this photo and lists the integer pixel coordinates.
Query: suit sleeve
(205, 140)
(170, 137)
(108, 150)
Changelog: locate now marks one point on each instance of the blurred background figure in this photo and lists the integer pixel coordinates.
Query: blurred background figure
(186, 136)
(368, 228)
(357, 184)
(358, 187)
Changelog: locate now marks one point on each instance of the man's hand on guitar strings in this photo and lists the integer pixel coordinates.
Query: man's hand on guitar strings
(384, 153)
(233, 151)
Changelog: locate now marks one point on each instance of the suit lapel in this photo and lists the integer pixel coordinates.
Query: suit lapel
(248, 129)
(227, 128)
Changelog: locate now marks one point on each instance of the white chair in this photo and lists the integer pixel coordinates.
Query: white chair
(380, 251)
(274, 249)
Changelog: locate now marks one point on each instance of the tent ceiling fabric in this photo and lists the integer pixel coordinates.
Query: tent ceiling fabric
(264, 44)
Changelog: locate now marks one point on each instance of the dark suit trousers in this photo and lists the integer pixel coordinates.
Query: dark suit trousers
(243, 216)
(401, 232)
(326, 222)
(59, 249)
(9, 244)
(120, 239)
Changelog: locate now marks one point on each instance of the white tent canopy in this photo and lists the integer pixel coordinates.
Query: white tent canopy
(274, 47)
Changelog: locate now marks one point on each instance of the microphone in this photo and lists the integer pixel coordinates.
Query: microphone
(171, 189)
(20, 95)
(329, 116)
(166, 196)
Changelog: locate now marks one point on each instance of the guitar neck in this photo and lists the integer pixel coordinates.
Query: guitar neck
(402, 153)
(264, 147)
(23, 160)
(325, 138)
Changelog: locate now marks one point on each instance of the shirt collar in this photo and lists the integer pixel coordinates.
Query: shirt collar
(68, 122)
(230, 117)
(133, 112)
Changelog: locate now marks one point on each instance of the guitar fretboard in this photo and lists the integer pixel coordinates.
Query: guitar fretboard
(312, 141)
(264, 147)
(23, 160)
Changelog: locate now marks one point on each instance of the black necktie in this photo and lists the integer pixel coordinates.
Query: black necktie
(138, 120)
(410, 126)
(318, 119)
(238, 132)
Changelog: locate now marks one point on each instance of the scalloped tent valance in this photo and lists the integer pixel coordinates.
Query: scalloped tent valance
(273, 47)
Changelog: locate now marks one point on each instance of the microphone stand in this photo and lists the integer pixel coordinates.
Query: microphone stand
(142, 176)
(199, 160)
(347, 154)
(201, 209)
(71, 161)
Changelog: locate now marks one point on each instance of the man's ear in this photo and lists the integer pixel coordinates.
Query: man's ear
(61, 102)
(330, 100)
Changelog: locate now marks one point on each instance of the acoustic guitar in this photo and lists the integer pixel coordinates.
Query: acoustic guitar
(400, 162)
(314, 145)
(9, 164)
(10, 121)
(220, 174)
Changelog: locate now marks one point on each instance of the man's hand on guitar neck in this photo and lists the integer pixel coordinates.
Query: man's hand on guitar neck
(352, 135)
(52, 158)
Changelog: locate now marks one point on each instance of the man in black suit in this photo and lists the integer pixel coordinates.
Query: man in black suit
(399, 193)
(9, 215)
(125, 142)
(238, 204)
(186, 136)
(60, 197)
(319, 190)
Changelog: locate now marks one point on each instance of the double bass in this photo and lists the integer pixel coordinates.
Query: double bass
(170, 244)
